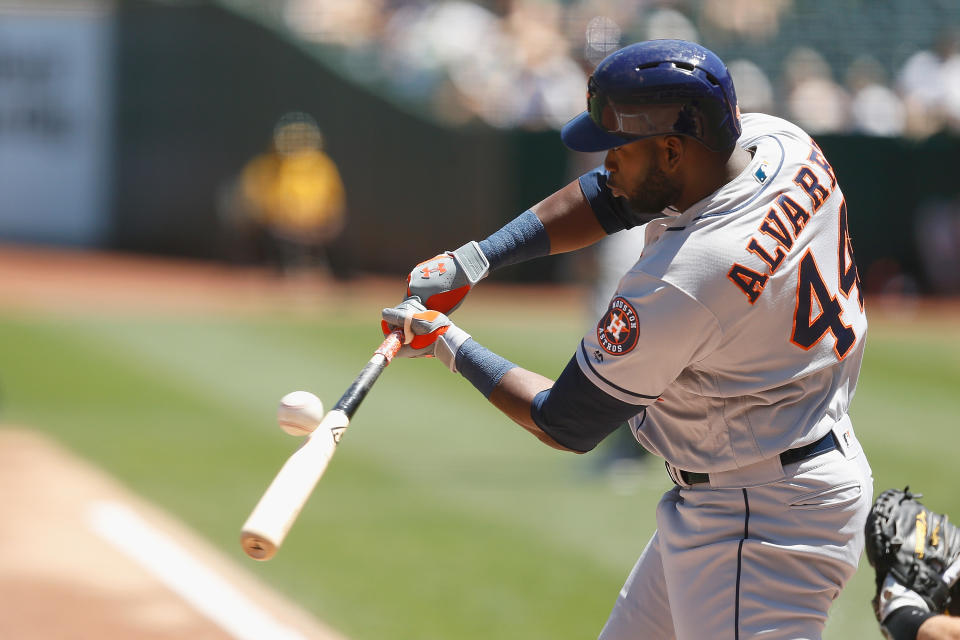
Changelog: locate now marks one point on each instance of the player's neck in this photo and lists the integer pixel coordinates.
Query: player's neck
(711, 173)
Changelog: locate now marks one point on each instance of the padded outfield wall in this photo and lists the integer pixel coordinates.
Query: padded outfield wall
(199, 91)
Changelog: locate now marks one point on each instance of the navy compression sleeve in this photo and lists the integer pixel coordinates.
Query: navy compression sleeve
(482, 367)
(577, 414)
(523, 238)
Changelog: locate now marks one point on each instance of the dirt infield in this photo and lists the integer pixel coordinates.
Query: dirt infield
(81, 557)
(69, 280)
(76, 280)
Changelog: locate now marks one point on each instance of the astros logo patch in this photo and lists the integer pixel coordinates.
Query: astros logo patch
(617, 331)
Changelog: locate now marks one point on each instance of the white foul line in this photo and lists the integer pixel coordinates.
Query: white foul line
(183, 574)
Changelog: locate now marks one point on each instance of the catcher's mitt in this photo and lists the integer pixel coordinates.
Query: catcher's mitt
(916, 547)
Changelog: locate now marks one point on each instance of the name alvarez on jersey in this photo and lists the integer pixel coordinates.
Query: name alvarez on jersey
(785, 222)
(733, 301)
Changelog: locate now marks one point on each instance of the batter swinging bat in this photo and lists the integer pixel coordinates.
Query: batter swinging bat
(280, 505)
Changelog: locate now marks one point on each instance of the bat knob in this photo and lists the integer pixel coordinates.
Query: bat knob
(256, 546)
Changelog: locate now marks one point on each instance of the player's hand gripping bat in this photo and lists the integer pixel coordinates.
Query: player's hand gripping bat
(271, 519)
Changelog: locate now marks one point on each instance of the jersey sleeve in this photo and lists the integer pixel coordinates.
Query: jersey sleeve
(609, 211)
(577, 414)
(650, 332)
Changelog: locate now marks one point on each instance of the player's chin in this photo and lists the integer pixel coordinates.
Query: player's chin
(646, 208)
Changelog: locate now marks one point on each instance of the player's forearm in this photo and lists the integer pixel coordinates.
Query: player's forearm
(940, 628)
(562, 222)
(507, 386)
(569, 220)
(571, 414)
(514, 396)
(565, 221)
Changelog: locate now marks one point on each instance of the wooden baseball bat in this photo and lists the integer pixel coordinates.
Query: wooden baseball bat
(271, 519)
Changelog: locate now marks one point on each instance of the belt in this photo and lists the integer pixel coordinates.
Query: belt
(823, 445)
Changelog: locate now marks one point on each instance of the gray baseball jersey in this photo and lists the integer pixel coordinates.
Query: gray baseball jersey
(740, 330)
(738, 334)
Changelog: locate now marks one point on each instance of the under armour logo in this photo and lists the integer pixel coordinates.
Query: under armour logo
(616, 326)
(440, 269)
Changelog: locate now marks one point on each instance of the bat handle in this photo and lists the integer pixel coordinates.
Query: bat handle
(390, 345)
(358, 389)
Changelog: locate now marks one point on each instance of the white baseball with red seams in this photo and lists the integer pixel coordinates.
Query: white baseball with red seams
(299, 413)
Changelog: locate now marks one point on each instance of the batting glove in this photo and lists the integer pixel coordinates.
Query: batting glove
(442, 282)
(427, 333)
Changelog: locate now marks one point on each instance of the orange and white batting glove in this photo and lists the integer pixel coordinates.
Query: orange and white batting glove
(442, 282)
(426, 333)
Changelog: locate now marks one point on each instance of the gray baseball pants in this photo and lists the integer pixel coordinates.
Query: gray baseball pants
(766, 559)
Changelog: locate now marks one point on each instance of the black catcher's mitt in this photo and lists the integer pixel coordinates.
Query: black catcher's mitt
(915, 545)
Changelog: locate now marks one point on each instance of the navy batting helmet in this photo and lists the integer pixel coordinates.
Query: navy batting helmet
(654, 88)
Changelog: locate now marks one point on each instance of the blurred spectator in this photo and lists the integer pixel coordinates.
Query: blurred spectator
(950, 74)
(925, 83)
(669, 23)
(754, 90)
(746, 19)
(813, 99)
(875, 109)
(938, 243)
(420, 41)
(293, 195)
(348, 24)
(543, 63)
(516, 63)
(510, 71)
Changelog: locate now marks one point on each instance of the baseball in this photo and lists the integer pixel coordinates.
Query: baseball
(299, 413)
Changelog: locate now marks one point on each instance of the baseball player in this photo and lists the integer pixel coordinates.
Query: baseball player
(916, 555)
(732, 345)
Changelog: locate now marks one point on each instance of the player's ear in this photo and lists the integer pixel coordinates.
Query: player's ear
(671, 152)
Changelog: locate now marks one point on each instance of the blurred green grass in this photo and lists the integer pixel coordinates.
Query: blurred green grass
(438, 518)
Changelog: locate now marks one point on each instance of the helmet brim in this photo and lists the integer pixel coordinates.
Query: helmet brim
(583, 134)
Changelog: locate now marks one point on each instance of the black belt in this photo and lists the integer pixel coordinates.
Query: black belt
(823, 445)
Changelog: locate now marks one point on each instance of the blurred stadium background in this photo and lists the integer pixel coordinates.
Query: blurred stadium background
(143, 114)
(185, 140)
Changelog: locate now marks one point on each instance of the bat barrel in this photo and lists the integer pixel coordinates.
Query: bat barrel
(268, 524)
(281, 503)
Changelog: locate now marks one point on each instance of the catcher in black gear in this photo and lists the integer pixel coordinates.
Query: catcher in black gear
(916, 555)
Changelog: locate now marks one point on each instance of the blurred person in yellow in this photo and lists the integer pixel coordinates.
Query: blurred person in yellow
(295, 195)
